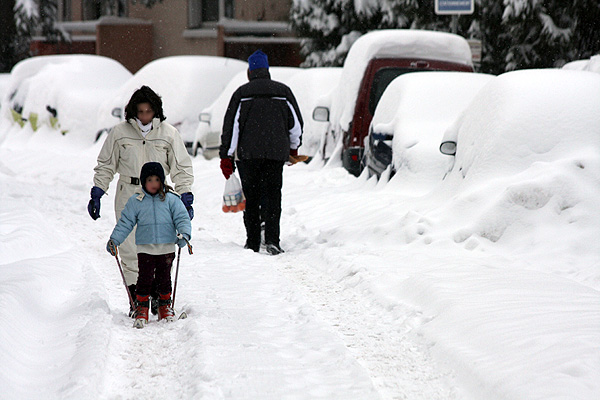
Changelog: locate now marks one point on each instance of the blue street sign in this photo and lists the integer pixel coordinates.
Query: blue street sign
(454, 6)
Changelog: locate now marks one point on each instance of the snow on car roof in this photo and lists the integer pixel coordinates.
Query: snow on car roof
(186, 84)
(426, 96)
(407, 43)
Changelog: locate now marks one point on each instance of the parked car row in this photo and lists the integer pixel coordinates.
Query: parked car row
(391, 109)
(89, 93)
(186, 85)
(306, 84)
(375, 60)
(63, 91)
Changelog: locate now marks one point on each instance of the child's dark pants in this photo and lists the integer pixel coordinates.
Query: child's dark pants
(154, 267)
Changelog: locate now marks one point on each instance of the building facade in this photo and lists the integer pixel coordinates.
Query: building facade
(134, 34)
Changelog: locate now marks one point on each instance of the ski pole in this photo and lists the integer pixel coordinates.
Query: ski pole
(189, 246)
(176, 275)
(113, 250)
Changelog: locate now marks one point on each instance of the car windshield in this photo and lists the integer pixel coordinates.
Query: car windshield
(381, 80)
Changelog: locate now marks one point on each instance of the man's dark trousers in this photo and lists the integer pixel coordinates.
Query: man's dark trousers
(261, 178)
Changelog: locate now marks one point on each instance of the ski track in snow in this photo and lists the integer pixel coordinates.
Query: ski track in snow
(397, 361)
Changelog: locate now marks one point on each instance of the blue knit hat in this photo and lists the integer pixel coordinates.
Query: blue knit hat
(257, 60)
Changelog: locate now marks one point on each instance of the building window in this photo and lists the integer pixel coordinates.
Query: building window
(202, 12)
(64, 10)
(94, 9)
(228, 9)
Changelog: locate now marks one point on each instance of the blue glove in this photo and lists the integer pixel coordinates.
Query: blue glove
(111, 247)
(181, 242)
(187, 200)
(94, 204)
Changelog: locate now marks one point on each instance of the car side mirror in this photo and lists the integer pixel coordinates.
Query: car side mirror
(321, 114)
(117, 112)
(448, 148)
(204, 117)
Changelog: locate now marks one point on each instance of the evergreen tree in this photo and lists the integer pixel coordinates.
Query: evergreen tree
(323, 24)
(489, 29)
(20, 20)
(12, 48)
(514, 33)
(329, 27)
(585, 40)
(539, 34)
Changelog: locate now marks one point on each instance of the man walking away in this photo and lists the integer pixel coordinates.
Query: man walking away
(261, 129)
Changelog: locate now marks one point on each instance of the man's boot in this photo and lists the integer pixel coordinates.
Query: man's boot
(165, 311)
(141, 312)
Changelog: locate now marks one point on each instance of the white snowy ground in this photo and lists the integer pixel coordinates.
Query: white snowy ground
(485, 288)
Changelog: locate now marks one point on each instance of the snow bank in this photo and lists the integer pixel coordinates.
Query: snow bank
(529, 153)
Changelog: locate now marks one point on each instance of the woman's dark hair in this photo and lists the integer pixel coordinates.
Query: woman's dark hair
(144, 95)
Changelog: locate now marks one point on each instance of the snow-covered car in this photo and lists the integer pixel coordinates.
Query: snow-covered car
(414, 112)
(61, 91)
(186, 84)
(208, 132)
(374, 60)
(530, 117)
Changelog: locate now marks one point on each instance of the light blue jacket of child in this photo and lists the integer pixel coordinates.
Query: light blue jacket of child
(157, 221)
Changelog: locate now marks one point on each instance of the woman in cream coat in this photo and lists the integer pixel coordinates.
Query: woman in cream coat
(144, 136)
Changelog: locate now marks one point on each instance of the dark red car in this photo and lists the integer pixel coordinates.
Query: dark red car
(381, 56)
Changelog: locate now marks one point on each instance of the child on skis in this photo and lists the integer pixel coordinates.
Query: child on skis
(159, 215)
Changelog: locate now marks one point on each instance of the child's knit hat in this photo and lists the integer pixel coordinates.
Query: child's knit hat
(149, 169)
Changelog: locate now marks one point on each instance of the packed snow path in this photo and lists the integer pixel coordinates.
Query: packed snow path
(259, 326)
(350, 311)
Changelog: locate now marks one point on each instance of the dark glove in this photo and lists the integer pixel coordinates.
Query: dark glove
(111, 247)
(182, 242)
(94, 204)
(227, 167)
(293, 152)
(187, 199)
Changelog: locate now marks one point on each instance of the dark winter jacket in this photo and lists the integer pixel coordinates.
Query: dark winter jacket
(262, 121)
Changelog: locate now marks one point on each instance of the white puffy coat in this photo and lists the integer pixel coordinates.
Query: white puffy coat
(126, 150)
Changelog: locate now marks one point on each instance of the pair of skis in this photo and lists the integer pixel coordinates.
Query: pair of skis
(140, 323)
